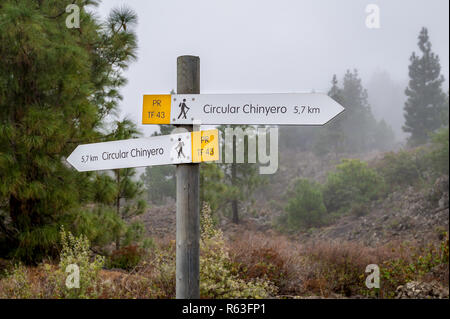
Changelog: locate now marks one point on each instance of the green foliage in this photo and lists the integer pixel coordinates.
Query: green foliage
(164, 269)
(440, 155)
(159, 183)
(57, 87)
(405, 168)
(217, 279)
(128, 190)
(359, 209)
(75, 250)
(240, 180)
(402, 168)
(127, 257)
(355, 130)
(100, 224)
(305, 207)
(219, 276)
(353, 182)
(398, 271)
(104, 189)
(426, 104)
(331, 137)
(16, 284)
(383, 136)
(20, 283)
(211, 188)
(135, 233)
(38, 242)
(359, 125)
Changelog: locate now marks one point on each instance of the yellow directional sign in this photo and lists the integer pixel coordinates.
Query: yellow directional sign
(205, 146)
(156, 109)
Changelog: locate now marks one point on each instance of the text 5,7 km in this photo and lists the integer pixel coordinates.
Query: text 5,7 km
(306, 110)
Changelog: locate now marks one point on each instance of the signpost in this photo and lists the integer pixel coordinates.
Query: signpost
(264, 109)
(189, 147)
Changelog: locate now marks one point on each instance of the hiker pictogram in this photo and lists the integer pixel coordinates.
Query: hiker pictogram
(184, 109)
(179, 148)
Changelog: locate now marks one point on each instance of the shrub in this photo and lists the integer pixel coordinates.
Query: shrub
(276, 259)
(218, 276)
(157, 273)
(359, 209)
(402, 168)
(420, 262)
(16, 284)
(135, 232)
(353, 182)
(50, 281)
(440, 153)
(217, 279)
(305, 206)
(100, 224)
(37, 243)
(76, 250)
(127, 257)
(337, 267)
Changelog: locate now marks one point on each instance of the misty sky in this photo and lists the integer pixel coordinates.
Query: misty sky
(280, 46)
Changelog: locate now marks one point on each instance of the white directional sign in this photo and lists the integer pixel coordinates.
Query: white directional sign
(282, 109)
(158, 150)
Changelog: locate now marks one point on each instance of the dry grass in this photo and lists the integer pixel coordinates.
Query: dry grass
(329, 268)
(325, 269)
(272, 257)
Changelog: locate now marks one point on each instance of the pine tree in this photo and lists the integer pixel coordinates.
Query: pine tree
(57, 85)
(425, 106)
(384, 136)
(160, 181)
(356, 130)
(240, 179)
(331, 136)
(358, 121)
(127, 201)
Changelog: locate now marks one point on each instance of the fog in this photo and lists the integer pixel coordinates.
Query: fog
(282, 46)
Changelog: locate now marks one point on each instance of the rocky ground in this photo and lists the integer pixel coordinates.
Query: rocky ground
(405, 215)
(421, 290)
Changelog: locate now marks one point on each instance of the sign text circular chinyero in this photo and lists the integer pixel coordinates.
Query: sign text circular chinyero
(278, 108)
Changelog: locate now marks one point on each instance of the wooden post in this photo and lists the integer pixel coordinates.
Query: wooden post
(188, 213)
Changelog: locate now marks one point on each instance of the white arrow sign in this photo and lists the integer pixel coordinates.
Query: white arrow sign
(159, 150)
(282, 109)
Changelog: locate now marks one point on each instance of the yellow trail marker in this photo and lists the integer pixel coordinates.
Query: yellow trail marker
(205, 146)
(156, 109)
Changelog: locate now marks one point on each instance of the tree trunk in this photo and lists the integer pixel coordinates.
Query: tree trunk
(234, 205)
(202, 189)
(118, 208)
(23, 214)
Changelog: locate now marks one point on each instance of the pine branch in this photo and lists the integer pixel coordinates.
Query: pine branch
(59, 14)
